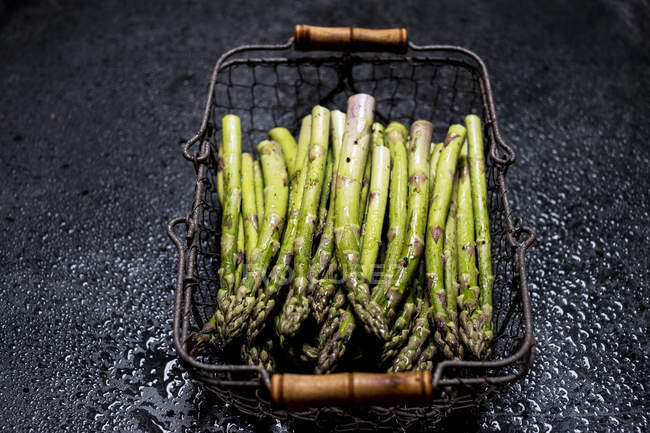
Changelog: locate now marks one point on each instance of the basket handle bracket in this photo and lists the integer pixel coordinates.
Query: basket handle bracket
(312, 38)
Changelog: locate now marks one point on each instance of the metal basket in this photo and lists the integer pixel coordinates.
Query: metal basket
(436, 82)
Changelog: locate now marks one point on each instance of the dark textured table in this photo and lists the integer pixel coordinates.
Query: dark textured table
(96, 100)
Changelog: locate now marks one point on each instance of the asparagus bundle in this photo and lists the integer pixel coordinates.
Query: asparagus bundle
(275, 202)
(296, 306)
(266, 296)
(322, 290)
(334, 198)
(333, 349)
(418, 192)
(435, 236)
(354, 152)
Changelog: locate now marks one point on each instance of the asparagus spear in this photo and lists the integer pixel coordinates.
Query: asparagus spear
(409, 354)
(332, 319)
(240, 254)
(325, 194)
(276, 192)
(418, 171)
(433, 165)
(402, 326)
(425, 360)
(482, 228)
(365, 187)
(266, 298)
(296, 306)
(231, 202)
(434, 242)
(289, 147)
(395, 137)
(259, 354)
(305, 353)
(469, 291)
(450, 260)
(378, 196)
(259, 191)
(333, 348)
(249, 205)
(354, 153)
(322, 290)
(220, 187)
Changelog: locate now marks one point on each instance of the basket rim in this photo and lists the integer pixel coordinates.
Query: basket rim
(187, 254)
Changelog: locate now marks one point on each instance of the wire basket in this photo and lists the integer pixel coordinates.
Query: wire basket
(438, 83)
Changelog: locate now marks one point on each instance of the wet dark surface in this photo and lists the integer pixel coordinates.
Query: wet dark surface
(95, 101)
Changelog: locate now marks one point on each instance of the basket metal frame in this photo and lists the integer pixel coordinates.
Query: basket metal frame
(501, 155)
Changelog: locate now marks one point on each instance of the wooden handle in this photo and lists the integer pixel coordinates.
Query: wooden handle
(295, 391)
(310, 38)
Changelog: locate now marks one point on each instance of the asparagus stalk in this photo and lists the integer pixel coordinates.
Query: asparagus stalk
(332, 320)
(220, 187)
(289, 147)
(402, 326)
(365, 188)
(322, 290)
(482, 228)
(325, 194)
(433, 165)
(425, 360)
(418, 191)
(435, 230)
(231, 202)
(296, 306)
(304, 352)
(335, 348)
(276, 192)
(259, 191)
(354, 153)
(450, 260)
(239, 257)
(266, 298)
(395, 136)
(409, 354)
(249, 205)
(378, 196)
(259, 354)
(470, 329)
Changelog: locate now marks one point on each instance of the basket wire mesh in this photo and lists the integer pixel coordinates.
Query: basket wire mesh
(437, 83)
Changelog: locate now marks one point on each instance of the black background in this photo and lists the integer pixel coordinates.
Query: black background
(96, 99)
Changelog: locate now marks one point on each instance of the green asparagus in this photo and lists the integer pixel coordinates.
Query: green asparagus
(482, 228)
(296, 306)
(231, 203)
(418, 191)
(402, 326)
(435, 233)
(283, 137)
(322, 290)
(469, 290)
(259, 191)
(248, 204)
(275, 199)
(265, 301)
(395, 136)
(378, 196)
(450, 260)
(354, 153)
